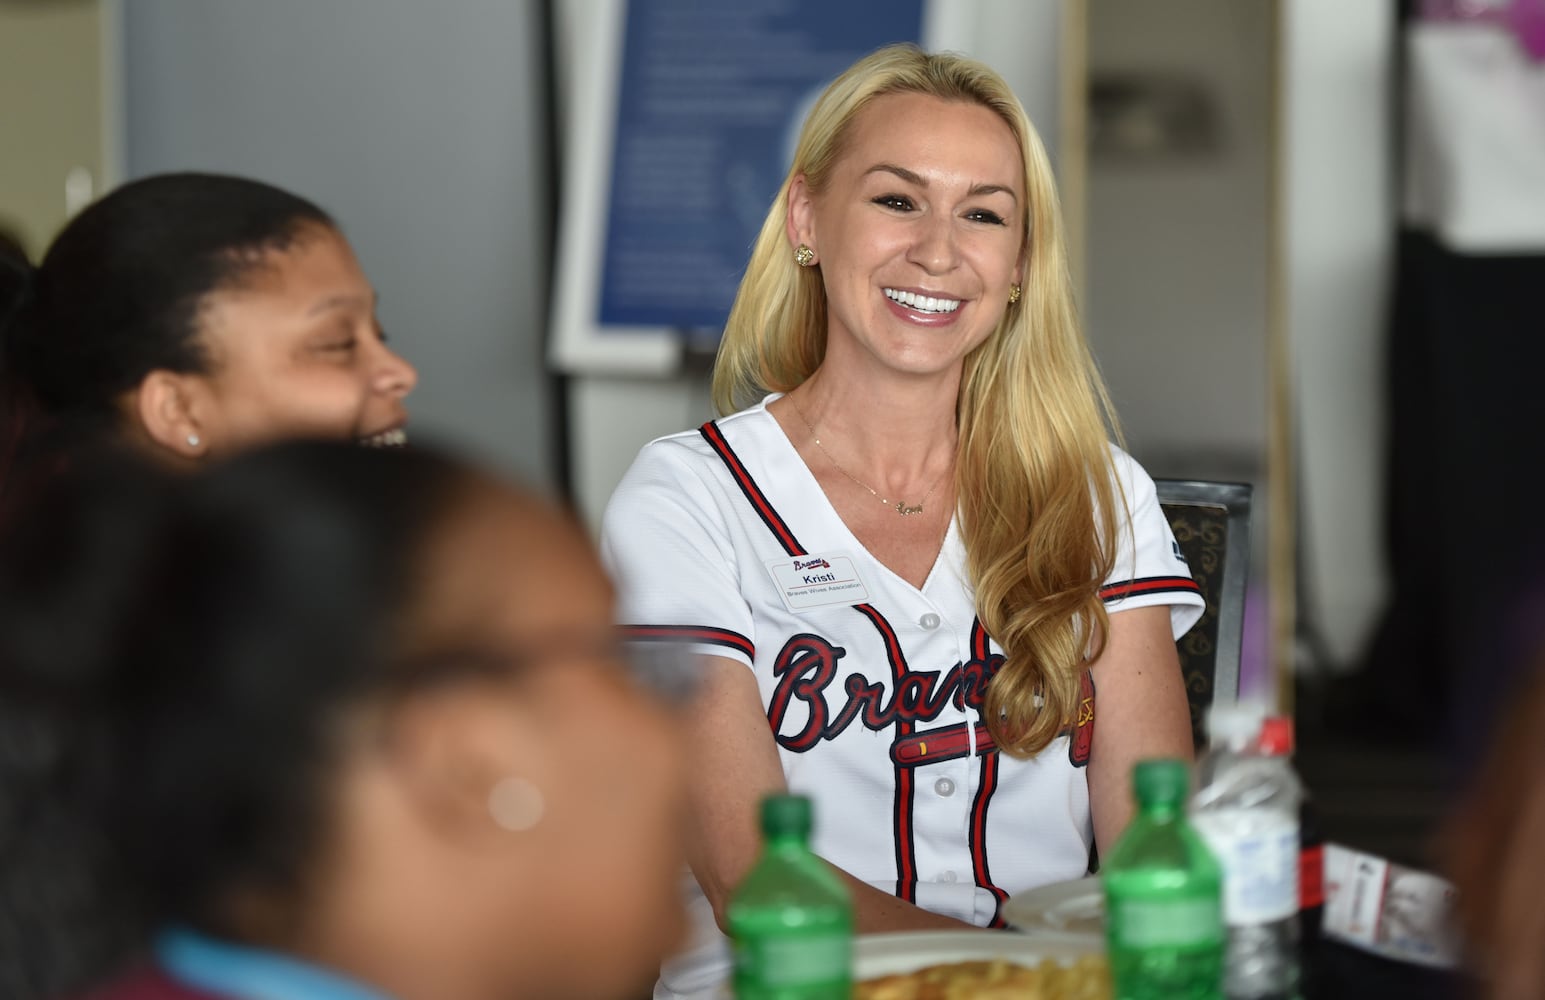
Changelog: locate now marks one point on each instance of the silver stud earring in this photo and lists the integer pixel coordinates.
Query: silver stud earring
(516, 805)
(193, 441)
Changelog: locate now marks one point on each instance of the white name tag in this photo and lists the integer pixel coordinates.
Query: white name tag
(814, 581)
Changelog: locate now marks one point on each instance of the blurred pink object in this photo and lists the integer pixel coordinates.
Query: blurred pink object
(1525, 18)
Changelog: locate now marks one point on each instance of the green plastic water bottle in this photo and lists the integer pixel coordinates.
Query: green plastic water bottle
(1163, 897)
(791, 920)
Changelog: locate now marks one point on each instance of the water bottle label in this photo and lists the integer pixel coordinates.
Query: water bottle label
(1397, 912)
(797, 960)
(1169, 923)
(1259, 855)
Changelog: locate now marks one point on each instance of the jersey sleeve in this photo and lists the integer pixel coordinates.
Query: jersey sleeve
(666, 542)
(1150, 568)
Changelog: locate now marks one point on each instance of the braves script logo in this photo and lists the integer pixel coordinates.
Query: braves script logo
(807, 667)
(816, 563)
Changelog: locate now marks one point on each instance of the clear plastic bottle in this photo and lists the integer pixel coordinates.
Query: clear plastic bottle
(1277, 741)
(1246, 807)
(1163, 896)
(791, 918)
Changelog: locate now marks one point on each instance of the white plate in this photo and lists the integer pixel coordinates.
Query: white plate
(907, 951)
(1074, 910)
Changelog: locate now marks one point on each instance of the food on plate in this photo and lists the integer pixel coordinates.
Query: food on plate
(1087, 978)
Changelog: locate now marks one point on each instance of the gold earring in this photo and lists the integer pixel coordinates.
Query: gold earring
(1013, 294)
(804, 256)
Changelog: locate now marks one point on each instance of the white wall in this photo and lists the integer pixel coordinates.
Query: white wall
(1178, 261)
(59, 120)
(1178, 271)
(419, 127)
(1339, 217)
(1177, 248)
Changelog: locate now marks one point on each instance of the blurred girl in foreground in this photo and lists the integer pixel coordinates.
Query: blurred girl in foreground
(334, 722)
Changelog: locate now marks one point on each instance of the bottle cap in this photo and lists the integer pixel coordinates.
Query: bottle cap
(1161, 781)
(1277, 736)
(786, 816)
(1235, 723)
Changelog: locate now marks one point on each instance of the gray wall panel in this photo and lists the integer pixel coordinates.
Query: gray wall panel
(419, 126)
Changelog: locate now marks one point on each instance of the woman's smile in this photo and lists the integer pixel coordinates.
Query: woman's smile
(922, 307)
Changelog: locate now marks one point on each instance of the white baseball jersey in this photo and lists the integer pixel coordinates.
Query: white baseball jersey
(723, 538)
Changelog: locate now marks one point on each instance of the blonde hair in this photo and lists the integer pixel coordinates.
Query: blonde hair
(1034, 477)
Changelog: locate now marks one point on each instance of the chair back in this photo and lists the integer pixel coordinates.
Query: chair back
(1211, 523)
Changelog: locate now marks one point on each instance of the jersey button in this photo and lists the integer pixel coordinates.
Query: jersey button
(946, 876)
(945, 787)
(929, 621)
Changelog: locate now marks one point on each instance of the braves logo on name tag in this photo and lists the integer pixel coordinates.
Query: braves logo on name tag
(817, 581)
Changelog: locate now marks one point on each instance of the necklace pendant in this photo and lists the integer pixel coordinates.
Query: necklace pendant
(906, 511)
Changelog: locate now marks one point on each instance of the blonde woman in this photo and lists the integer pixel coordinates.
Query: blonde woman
(909, 554)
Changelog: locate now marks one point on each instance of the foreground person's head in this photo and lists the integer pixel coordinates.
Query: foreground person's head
(359, 706)
(200, 314)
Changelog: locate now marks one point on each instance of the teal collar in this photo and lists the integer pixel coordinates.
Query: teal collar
(243, 973)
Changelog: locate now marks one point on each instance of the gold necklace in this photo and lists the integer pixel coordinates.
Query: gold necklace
(902, 507)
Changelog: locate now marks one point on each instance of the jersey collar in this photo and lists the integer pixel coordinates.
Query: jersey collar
(242, 973)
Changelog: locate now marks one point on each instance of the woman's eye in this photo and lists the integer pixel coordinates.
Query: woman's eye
(338, 346)
(983, 215)
(898, 202)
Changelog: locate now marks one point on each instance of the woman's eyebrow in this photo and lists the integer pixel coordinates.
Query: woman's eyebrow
(913, 177)
(343, 301)
(978, 190)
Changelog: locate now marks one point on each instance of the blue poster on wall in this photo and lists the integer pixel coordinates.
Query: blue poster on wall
(712, 95)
